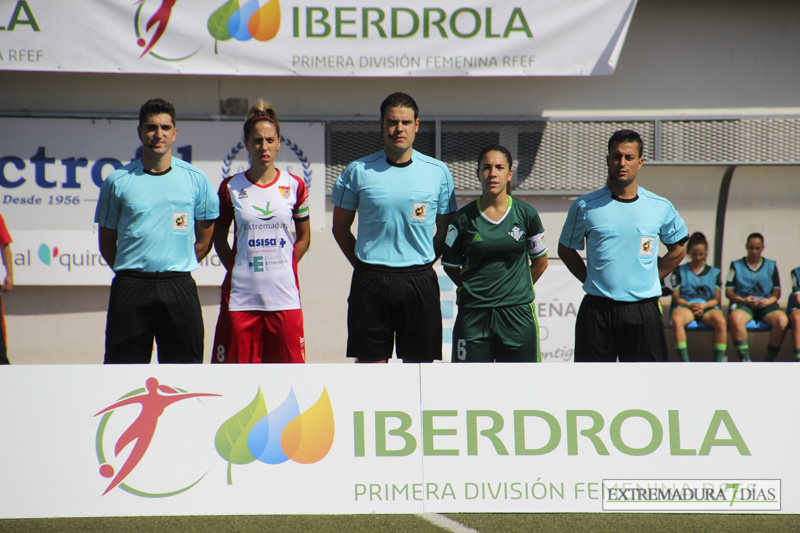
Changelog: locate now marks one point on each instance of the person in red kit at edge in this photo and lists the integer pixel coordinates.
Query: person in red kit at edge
(8, 284)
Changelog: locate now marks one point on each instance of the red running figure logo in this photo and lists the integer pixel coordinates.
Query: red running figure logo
(144, 427)
(160, 17)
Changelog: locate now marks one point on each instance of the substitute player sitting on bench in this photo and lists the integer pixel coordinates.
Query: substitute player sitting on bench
(753, 289)
(696, 295)
(793, 310)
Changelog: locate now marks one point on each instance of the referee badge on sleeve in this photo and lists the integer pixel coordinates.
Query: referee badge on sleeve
(646, 246)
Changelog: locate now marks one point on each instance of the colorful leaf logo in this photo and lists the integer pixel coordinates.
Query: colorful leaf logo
(218, 21)
(309, 437)
(231, 439)
(245, 22)
(264, 440)
(282, 435)
(265, 23)
(237, 24)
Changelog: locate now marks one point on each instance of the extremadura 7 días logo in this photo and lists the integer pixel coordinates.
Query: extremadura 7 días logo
(252, 434)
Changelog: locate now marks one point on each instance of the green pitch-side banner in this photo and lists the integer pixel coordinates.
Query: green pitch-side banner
(311, 38)
(281, 439)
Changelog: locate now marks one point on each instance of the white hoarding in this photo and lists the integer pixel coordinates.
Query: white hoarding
(282, 439)
(307, 38)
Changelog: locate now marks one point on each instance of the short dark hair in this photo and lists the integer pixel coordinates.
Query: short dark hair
(156, 106)
(626, 136)
(755, 236)
(399, 100)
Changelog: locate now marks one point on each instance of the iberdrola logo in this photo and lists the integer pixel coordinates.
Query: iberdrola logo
(125, 442)
(273, 438)
(246, 21)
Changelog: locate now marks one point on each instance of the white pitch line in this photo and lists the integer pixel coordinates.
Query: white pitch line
(446, 523)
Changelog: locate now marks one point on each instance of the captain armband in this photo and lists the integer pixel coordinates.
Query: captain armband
(537, 245)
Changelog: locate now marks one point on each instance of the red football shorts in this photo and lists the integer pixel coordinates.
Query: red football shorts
(259, 337)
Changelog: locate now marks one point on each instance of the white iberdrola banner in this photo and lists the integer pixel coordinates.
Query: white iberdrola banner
(327, 439)
(311, 38)
(51, 171)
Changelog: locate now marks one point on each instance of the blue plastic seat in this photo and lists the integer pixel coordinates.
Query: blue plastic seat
(696, 325)
(757, 326)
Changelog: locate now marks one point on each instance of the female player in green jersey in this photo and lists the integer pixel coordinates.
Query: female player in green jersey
(696, 295)
(494, 252)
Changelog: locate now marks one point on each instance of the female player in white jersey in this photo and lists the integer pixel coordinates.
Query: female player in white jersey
(494, 252)
(260, 319)
(697, 295)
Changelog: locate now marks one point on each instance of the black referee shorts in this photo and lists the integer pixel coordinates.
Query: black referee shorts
(607, 330)
(388, 304)
(148, 305)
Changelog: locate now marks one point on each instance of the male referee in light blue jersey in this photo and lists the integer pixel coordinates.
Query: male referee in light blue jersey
(620, 226)
(156, 218)
(404, 200)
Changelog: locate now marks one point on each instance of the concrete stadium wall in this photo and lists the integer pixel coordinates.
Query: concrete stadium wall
(693, 58)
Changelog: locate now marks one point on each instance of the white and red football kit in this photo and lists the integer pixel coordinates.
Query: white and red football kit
(262, 272)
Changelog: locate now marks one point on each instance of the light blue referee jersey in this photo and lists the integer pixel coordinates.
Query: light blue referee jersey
(397, 207)
(622, 241)
(154, 215)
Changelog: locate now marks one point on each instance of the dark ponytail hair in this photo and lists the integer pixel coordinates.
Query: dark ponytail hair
(697, 238)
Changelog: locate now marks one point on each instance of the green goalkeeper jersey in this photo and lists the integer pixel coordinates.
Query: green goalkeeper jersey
(494, 256)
